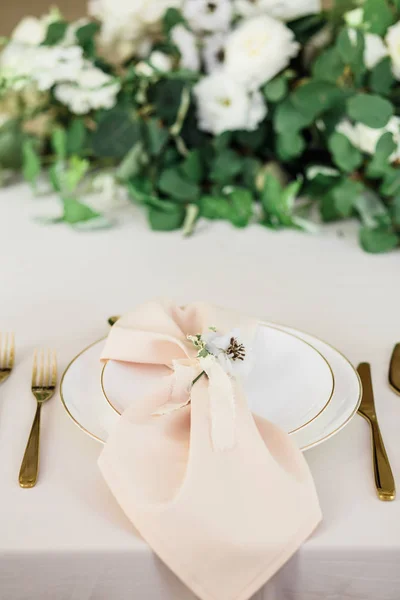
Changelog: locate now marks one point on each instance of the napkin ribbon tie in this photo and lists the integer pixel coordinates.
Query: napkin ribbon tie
(221, 397)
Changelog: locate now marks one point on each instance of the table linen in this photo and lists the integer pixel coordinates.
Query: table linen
(67, 539)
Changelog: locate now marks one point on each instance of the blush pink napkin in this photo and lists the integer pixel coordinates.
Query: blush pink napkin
(223, 521)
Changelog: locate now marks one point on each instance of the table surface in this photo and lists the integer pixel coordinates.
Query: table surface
(67, 538)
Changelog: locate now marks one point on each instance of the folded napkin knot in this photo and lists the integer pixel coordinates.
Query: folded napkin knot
(224, 522)
(221, 358)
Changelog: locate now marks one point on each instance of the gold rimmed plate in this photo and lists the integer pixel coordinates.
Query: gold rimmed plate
(290, 383)
(86, 405)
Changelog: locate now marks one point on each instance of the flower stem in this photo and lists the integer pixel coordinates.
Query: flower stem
(198, 377)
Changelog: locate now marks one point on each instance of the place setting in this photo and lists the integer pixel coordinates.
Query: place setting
(200, 412)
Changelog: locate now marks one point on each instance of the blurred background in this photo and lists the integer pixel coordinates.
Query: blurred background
(13, 12)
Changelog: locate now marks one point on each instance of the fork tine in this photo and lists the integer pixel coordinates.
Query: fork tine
(11, 354)
(41, 369)
(34, 367)
(54, 368)
(3, 349)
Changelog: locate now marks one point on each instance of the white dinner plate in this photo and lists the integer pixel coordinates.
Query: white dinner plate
(85, 403)
(290, 382)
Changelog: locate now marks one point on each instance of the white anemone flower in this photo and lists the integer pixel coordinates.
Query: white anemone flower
(208, 15)
(186, 42)
(230, 350)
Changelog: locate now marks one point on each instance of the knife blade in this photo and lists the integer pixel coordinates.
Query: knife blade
(394, 370)
(384, 481)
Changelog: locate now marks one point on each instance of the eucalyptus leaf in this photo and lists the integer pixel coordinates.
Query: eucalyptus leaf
(276, 89)
(380, 162)
(132, 163)
(289, 145)
(173, 184)
(329, 66)
(370, 109)
(117, 131)
(288, 118)
(166, 220)
(55, 33)
(378, 240)
(225, 167)
(156, 136)
(344, 154)
(192, 167)
(76, 212)
(11, 141)
(241, 206)
(381, 79)
(377, 16)
(214, 207)
(31, 162)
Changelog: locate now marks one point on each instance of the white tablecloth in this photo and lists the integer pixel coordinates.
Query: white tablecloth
(67, 539)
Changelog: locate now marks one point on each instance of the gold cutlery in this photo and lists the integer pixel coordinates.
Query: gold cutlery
(394, 370)
(44, 381)
(384, 481)
(7, 354)
(112, 320)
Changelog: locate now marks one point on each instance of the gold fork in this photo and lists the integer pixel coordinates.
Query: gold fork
(44, 381)
(7, 353)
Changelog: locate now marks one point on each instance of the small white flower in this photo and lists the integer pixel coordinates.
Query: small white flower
(213, 51)
(258, 50)
(30, 31)
(224, 105)
(286, 10)
(229, 349)
(90, 89)
(366, 138)
(186, 43)
(375, 50)
(208, 15)
(109, 193)
(160, 61)
(355, 17)
(393, 42)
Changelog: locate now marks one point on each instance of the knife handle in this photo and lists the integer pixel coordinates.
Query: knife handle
(384, 480)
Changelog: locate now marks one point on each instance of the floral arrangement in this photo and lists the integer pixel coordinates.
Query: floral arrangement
(244, 110)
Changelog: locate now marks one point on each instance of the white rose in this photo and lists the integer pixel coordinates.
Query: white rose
(91, 89)
(258, 50)
(375, 50)
(30, 30)
(393, 42)
(203, 15)
(186, 43)
(286, 10)
(224, 105)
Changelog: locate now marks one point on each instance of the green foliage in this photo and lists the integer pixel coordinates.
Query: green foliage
(117, 131)
(381, 78)
(31, 162)
(370, 109)
(294, 166)
(55, 33)
(344, 154)
(377, 16)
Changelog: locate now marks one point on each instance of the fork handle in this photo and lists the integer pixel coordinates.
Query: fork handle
(384, 480)
(30, 463)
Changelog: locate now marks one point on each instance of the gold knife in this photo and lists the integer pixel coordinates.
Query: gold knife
(394, 370)
(384, 481)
